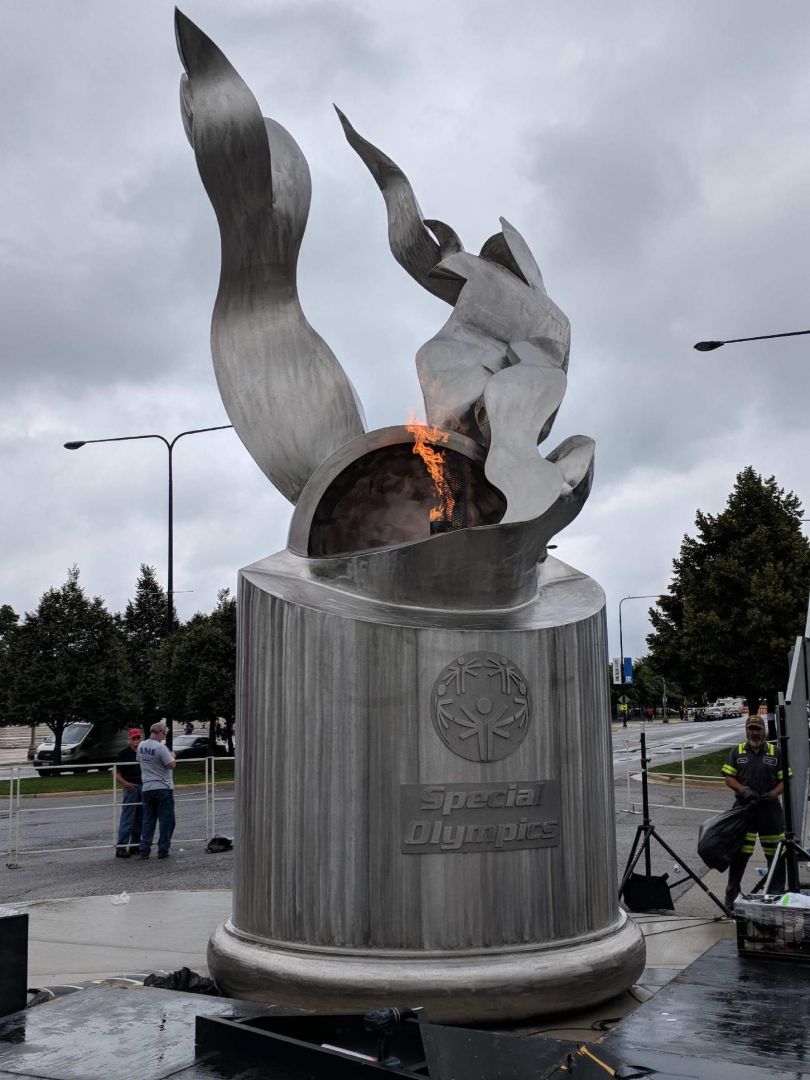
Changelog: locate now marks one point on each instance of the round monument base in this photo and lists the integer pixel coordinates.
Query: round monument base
(453, 987)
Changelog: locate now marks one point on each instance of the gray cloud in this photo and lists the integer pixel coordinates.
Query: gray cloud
(655, 157)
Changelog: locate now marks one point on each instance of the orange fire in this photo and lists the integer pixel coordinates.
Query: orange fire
(425, 439)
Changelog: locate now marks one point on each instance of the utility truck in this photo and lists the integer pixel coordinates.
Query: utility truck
(731, 706)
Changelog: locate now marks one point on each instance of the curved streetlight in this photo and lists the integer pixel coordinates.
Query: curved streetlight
(634, 596)
(644, 596)
(710, 346)
(77, 444)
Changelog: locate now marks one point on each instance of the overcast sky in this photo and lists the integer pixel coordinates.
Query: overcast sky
(655, 155)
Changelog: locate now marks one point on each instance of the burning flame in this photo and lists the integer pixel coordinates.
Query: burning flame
(425, 439)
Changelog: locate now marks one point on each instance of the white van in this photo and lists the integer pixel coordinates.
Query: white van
(83, 748)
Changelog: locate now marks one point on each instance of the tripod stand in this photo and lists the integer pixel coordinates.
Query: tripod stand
(645, 834)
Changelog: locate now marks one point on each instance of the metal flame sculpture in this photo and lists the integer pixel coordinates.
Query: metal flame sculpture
(492, 378)
(424, 786)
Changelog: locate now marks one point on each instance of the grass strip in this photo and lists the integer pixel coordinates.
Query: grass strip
(186, 774)
(709, 765)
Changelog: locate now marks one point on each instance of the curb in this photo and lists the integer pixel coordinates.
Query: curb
(675, 778)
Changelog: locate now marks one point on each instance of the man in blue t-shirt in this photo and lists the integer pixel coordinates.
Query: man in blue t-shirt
(157, 764)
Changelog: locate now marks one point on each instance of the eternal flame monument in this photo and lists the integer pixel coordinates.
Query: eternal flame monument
(424, 790)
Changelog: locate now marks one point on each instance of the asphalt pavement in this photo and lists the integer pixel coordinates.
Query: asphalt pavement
(676, 812)
(81, 829)
(664, 741)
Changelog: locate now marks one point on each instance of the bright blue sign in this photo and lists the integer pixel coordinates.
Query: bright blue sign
(628, 669)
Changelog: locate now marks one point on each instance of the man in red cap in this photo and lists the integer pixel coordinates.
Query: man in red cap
(128, 775)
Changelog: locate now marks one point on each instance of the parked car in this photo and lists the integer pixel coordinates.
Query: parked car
(84, 747)
(195, 746)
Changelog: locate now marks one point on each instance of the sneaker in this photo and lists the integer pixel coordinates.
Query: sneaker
(122, 853)
(134, 850)
(144, 856)
(163, 854)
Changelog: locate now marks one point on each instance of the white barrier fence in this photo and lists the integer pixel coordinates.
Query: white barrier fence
(20, 815)
(687, 789)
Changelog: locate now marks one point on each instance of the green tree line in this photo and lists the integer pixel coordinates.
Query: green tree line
(738, 597)
(71, 659)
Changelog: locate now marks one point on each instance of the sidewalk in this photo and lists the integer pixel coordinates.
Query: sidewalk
(94, 938)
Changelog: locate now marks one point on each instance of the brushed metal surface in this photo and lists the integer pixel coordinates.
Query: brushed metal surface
(457, 987)
(495, 372)
(481, 708)
(565, 594)
(375, 492)
(335, 715)
(350, 889)
(356, 495)
(411, 243)
(285, 393)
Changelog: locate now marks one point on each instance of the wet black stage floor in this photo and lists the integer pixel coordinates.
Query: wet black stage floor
(723, 1018)
(110, 1033)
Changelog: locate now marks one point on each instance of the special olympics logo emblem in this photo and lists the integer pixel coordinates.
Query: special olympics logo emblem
(480, 706)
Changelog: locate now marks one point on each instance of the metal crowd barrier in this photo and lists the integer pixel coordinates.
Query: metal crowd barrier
(7, 821)
(632, 773)
(16, 809)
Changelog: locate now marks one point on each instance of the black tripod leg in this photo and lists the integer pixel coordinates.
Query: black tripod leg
(697, 880)
(636, 851)
(784, 848)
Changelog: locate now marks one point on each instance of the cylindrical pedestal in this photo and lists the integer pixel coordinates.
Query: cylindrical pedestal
(424, 804)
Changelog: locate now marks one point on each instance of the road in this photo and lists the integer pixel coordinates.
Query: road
(676, 824)
(664, 741)
(81, 826)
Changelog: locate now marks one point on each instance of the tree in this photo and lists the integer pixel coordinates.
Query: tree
(67, 663)
(196, 669)
(8, 623)
(738, 596)
(144, 624)
(647, 688)
(649, 685)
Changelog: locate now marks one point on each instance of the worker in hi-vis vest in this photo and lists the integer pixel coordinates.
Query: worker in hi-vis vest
(754, 773)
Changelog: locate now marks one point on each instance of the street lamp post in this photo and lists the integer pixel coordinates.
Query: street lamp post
(645, 596)
(664, 700)
(169, 444)
(710, 346)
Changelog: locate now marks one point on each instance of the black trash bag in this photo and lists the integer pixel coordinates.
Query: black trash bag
(185, 979)
(721, 837)
(217, 844)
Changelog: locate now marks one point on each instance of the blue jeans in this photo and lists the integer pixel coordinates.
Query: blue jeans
(129, 827)
(158, 807)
